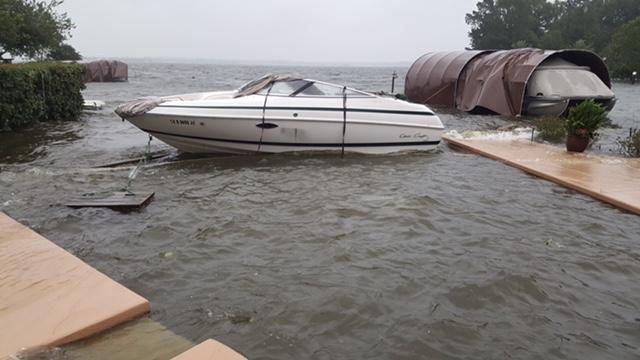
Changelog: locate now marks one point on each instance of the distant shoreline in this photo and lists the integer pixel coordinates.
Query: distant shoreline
(178, 60)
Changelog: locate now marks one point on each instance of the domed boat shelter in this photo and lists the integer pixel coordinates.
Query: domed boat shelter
(106, 71)
(505, 81)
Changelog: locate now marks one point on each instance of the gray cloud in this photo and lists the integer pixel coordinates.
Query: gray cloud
(354, 31)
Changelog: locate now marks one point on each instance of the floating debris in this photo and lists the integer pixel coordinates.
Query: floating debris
(514, 134)
(238, 318)
(93, 105)
(121, 201)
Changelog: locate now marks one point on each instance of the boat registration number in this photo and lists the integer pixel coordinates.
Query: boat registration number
(182, 122)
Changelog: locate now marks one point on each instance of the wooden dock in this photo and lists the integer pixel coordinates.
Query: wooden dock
(50, 297)
(610, 179)
(210, 350)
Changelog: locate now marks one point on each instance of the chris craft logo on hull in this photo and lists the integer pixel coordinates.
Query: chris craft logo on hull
(414, 136)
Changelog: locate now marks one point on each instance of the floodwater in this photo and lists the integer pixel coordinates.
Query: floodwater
(442, 256)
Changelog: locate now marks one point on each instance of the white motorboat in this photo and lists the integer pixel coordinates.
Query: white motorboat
(280, 113)
(557, 85)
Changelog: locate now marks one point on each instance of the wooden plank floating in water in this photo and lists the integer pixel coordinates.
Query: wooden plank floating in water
(121, 201)
(50, 297)
(609, 179)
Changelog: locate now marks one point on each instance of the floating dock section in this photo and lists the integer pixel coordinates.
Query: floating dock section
(609, 179)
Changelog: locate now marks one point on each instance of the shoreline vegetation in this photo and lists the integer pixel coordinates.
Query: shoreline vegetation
(610, 28)
(40, 92)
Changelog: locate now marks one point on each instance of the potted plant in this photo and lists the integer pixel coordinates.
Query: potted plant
(583, 123)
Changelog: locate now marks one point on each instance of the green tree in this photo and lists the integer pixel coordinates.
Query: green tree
(32, 28)
(64, 52)
(553, 40)
(589, 23)
(582, 45)
(624, 51)
(502, 24)
(611, 15)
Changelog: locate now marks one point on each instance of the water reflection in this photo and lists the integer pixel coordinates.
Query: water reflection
(34, 143)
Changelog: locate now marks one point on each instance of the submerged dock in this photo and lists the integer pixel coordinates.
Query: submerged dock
(609, 179)
(51, 298)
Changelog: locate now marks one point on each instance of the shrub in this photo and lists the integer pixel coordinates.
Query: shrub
(630, 146)
(551, 128)
(39, 92)
(585, 119)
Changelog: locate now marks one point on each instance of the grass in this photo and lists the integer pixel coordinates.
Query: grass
(551, 129)
(630, 146)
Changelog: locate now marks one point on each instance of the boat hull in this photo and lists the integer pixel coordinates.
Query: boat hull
(277, 119)
(558, 106)
(240, 135)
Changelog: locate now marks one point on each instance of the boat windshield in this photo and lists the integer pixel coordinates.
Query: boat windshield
(318, 88)
(289, 85)
(286, 88)
(309, 88)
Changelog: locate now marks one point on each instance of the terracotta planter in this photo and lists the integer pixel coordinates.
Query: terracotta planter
(576, 143)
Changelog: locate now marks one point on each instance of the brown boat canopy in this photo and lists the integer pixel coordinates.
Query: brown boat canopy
(106, 71)
(486, 80)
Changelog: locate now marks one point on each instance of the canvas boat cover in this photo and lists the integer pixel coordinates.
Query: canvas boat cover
(138, 107)
(145, 104)
(106, 71)
(487, 80)
(260, 83)
(433, 77)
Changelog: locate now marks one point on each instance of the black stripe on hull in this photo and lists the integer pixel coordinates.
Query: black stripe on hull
(379, 111)
(267, 143)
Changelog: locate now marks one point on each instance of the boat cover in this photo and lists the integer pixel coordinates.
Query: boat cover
(491, 80)
(256, 85)
(138, 107)
(106, 71)
(433, 77)
(143, 105)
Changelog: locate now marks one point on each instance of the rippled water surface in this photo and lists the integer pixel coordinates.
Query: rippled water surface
(444, 255)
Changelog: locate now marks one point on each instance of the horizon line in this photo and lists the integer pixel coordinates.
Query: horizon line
(263, 62)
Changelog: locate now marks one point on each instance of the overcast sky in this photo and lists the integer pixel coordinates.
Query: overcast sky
(275, 31)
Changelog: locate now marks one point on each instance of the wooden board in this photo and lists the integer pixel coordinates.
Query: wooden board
(613, 180)
(142, 338)
(49, 297)
(210, 350)
(117, 201)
